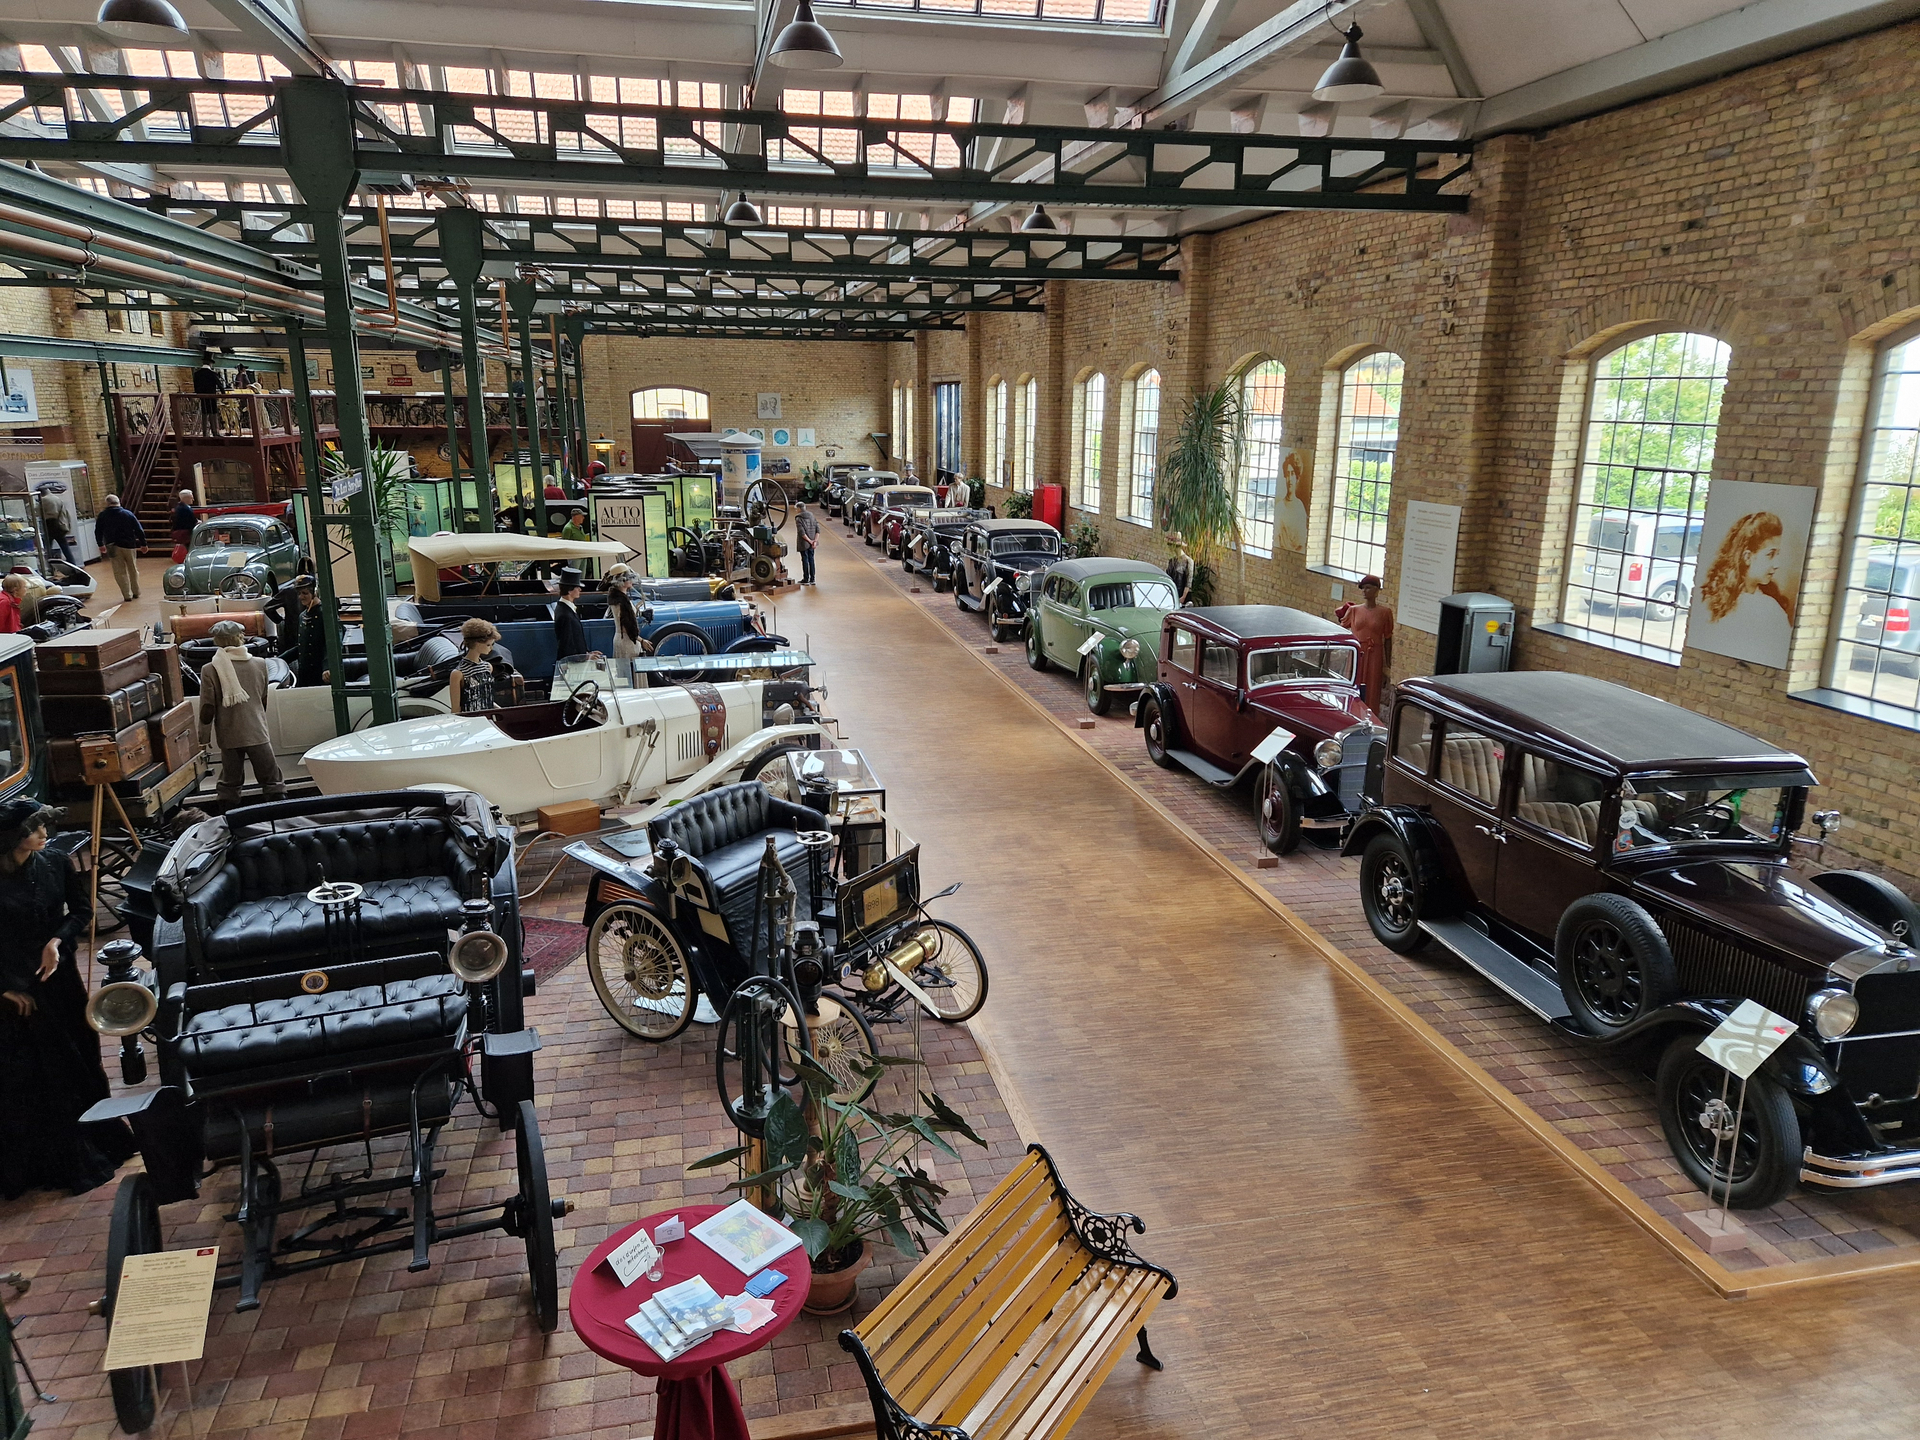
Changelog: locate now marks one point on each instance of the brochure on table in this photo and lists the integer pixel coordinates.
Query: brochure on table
(745, 1238)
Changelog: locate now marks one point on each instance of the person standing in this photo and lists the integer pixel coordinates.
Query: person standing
(49, 1056)
(627, 644)
(569, 631)
(13, 604)
(183, 523)
(808, 529)
(576, 529)
(470, 686)
(310, 635)
(1180, 567)
(1372, 625)
(207, 384)
(118, 533)
(233, 708)
(56, 519)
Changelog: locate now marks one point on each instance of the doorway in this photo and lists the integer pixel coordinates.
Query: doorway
(658, 412)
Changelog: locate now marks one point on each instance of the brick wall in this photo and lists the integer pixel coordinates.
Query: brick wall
(1767, 208)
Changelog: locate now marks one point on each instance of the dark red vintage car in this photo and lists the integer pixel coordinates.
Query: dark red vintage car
(1266, 689)
(890, 503)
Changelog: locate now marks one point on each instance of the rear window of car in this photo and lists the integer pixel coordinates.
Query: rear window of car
(1133, 595)
(226, 535)
(1180, 651)
(1300, 662)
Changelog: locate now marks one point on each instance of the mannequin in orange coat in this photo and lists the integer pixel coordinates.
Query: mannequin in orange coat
(1372, 625)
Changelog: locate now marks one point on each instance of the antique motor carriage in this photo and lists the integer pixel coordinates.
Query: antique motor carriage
(324, 973)
(746, 894)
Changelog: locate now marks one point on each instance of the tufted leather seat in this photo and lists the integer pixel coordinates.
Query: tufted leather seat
(1471, 763)
(302, 1031)
(726, 831)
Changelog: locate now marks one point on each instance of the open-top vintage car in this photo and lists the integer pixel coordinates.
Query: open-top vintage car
(237, 551)
(1622, 867)
(1100, 619)
(324, 972)
(842, 478)
(1269, 690)
(998, 563)
(889, 504)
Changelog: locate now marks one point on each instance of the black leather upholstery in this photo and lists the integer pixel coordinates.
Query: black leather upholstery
(330, 1114)
(311, 1031)
(733, 812)
(726, 831)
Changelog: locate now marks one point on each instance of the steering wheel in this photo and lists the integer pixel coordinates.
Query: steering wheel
(584, 704)
(1715, 810)
(686, 547)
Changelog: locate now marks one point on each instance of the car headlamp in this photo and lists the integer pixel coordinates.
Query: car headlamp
(1129, 649)
(1023, 583)
(1833, 1013)
(176, 580)
(1327, 754)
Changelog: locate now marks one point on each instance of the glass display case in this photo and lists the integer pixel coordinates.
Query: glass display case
(20, 539)
(841, 785)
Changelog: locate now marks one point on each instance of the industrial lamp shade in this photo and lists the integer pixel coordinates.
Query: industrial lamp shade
(805, 43)
(152, 20)
(1039, 220)
(743, 212)
(1352, 76)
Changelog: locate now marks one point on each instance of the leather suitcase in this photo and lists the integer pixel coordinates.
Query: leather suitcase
(71, 714)
(105, 758)
(87, 650)
(173, 735)
(198, 627)
(79, 681)
(164, 661)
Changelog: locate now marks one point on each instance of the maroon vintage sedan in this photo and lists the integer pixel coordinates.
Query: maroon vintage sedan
(1266, 689)
(889, 504)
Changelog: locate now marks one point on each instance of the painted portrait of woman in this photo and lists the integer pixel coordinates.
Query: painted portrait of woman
(1747, 596)
(1290, 523)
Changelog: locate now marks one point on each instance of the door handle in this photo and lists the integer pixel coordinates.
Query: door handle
(1494, 830)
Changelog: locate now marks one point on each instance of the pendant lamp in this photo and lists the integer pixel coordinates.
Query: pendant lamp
(743, 212)
(1352, 76)
(805, 43)
(154, 21)
(1039, 220)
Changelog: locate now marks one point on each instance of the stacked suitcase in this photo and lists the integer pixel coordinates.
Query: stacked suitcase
(114, 714)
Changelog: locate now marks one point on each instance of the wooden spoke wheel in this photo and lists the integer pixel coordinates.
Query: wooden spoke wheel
(955, 978)
(533, 1212)
(640, 972)
(841, 1043)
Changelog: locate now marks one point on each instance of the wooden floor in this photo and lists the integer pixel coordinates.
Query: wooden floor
(1366, 1246)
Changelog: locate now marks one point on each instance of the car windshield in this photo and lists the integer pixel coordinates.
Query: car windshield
(226, 535)
(1717, 808)
(1029, 542)
(1300, 662)
(1133, 595)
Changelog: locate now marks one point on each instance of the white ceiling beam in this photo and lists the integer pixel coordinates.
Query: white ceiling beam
(278, 31)
(1435, 30)
(1201, 36)
(1301, 24)
(1765, 30)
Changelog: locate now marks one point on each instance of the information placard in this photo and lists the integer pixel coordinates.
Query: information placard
(1744, 1040)
(1427, 554)
(160, 1312)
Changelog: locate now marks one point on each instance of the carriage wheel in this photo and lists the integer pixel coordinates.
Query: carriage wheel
(535, 1211)
(116, 859)
(640, 972)
(752, 1058)
(842, 1044)
(135, 1230)
(956, 978)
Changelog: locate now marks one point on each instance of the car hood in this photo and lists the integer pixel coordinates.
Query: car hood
(1025, 561)
(207, 568)
(1312, 713)
(1141, 625)
(1764, 901)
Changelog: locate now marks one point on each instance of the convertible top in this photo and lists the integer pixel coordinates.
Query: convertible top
(432, 553)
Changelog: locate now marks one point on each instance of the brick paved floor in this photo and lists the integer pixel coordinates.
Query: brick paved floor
(1605, 1108)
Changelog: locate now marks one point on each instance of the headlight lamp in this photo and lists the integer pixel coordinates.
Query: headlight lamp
(1129, 649)
(1023, 583)
(176, 581)
(1833, 1012)
(1327, 754)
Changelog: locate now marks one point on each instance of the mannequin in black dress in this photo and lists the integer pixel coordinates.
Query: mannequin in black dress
(50, 1069)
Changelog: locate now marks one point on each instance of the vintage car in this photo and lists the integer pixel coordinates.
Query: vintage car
(236, 552)
(933, 539)
(1100, 619)
(1265, 689)
(888, 502)
(840, 483)
(1623, 868)
(853, 511)
(995, 569)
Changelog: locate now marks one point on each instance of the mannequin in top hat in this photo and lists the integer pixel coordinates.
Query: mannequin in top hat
(50, 1068)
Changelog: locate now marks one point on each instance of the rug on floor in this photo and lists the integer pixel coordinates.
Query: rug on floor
(550, 946)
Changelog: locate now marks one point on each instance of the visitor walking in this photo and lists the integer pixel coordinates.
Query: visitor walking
(118, 533)
(183, 523)
(233, 709)
(808, 529)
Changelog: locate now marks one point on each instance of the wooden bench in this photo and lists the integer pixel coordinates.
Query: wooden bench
(1006, 1330)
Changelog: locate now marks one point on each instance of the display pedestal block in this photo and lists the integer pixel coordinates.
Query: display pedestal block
(913, 590)
(1714, 1230)
(1266, 862)
(992, 650)
(1088, 724)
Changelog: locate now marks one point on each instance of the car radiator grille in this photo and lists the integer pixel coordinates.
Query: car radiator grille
(1709, 965)
(1889, 1068)
(1346, 779)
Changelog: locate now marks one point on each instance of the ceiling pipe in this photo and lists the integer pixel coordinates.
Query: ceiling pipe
(392, 312)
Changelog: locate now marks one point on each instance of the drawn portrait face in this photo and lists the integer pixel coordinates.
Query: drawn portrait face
(1764, 568)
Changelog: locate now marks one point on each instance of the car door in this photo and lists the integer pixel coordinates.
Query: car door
(1215, 708)
(972, 577)
(1465, 800)
(1551, 833)
(282, 554)
(1057, 629)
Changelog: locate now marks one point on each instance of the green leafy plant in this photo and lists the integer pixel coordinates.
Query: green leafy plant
(976, 492)
(850, 1175)
(1201, 592)
(1084, 537)
(1020, 505)
(386, 475)
(1193, 490)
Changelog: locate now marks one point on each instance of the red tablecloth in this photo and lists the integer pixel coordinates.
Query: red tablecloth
(697, 1400)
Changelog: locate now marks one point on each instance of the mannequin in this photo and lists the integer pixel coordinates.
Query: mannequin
(1372, 625)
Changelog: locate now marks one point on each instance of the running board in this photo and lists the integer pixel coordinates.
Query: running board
(1208, 772)
(1502, 967)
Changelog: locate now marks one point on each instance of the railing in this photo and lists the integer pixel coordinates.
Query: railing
(233, 417)
(142, 425)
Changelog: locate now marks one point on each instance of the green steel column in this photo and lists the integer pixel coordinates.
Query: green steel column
(520, 298)
(317, 144)
(317, 516)
(453, 437)
(576, 332)
(114, 456)
(462, 241)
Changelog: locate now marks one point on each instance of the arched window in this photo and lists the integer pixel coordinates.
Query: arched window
(1089, 428)
(1362, 485)
(1025, 403)
(900, 421)
(997, 429)
(1642, 498)
(906, 424)
(669, 402)
(1263, 393)
(1141, 410)
(1876, 637)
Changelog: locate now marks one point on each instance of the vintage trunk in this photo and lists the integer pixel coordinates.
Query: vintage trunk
(164, 660)
(102, 758)
(87, 650)
(81, 681)
(174, 736)
(73, 714)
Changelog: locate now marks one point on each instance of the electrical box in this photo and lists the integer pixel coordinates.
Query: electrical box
(1476, 635)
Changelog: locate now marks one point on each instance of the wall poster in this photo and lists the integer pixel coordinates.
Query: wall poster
(21, 405)
(1427, 553)
(769, 406)
(1290, 510)
(1745, 589)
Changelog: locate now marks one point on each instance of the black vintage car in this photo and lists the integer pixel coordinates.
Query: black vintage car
(1622, 868)
(995, 569)
(933, 542)
(860, 496)
(841, 480)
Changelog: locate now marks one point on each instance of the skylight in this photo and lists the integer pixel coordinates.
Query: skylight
(1092, 12)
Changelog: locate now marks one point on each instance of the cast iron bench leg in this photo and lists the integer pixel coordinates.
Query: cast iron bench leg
(1146, 1356)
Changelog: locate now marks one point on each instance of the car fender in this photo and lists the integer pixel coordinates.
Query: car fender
(1414, 828)
(1302, 779)
(1798, 1065)
(1156, 691)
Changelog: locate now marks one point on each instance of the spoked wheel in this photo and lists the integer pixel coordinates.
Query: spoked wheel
(1613, 962)
(531, 1216)
(770, 501)
(1700, 1109)
(956, 978)
(640, 972)
(842, 1044)
(1394, 896)
(135, 1230)
(116, 859)
(752, 1057)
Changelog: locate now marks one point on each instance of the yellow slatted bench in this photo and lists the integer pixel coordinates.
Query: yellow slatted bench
(1009, 1326)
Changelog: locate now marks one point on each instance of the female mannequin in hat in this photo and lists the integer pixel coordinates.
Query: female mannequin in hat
(1372, 625)
(49, 1056)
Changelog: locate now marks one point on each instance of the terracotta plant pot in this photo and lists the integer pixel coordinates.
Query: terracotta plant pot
(832, 1292)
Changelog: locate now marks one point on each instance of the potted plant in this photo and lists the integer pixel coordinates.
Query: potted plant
(1020, 505)
(843, 1175)
(1193, 490)
(1084, 538)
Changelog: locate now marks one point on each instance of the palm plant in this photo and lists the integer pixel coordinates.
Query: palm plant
(1193, 488)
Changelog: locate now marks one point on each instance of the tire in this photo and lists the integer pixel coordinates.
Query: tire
(1765, 1158)
(956, 978)
(533, 1220)
(959, 594)
(640, 973)
(763, 570)
(767, 759)
(696, 640)
(1278, 813)
(1157, 730)
(1613, 962)
(134, 1230)
(1092, 690)
(842, 1044)
(1662, 605)
(1396, 893)
(1036, 652)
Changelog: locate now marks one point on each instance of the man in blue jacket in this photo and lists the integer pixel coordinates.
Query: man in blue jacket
(120, 537)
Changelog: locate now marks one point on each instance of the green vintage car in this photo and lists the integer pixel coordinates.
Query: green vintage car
(1100, 619)
(242, 556)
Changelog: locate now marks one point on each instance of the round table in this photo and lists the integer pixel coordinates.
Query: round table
(697, 1400)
